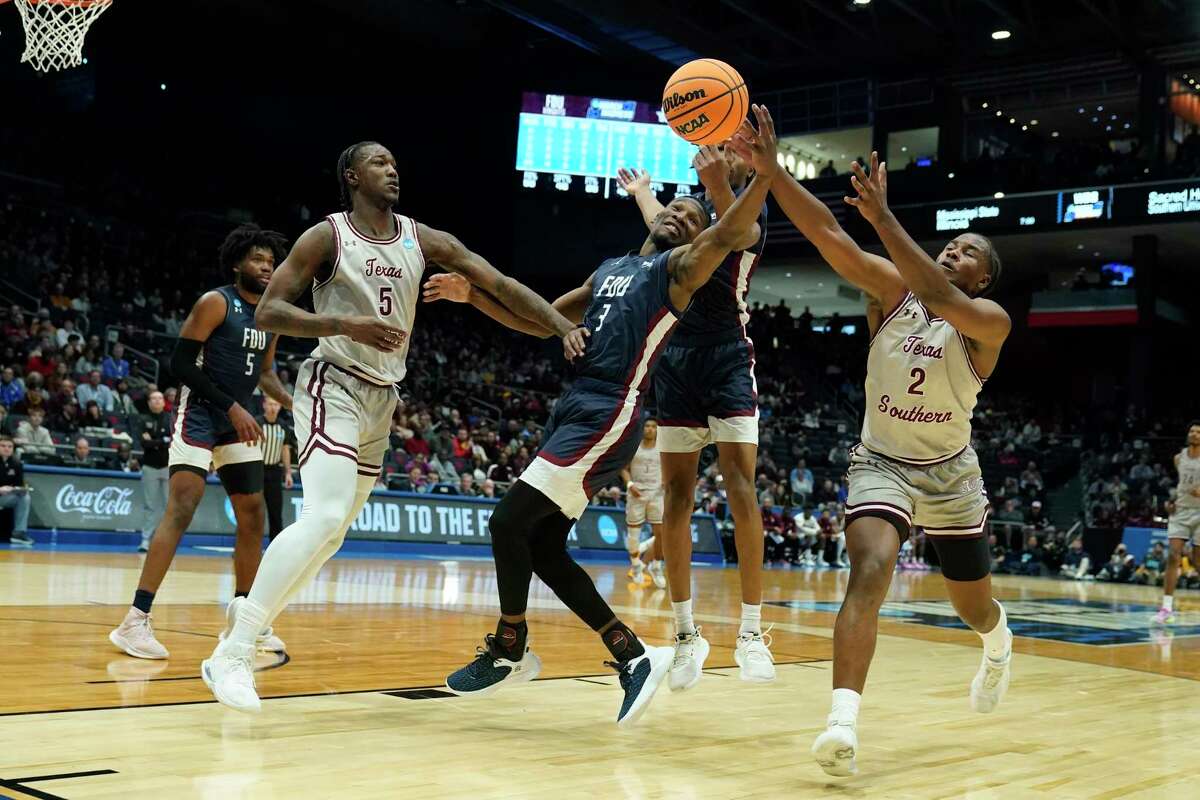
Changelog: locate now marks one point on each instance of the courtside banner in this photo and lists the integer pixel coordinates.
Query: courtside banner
(100, 500)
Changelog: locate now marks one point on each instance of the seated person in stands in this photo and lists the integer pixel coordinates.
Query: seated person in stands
(488, 489)
(124, 460)
(33, 438)
(416, 480)
(93, 422)
(1076, 563)
(82, 456)
(1120, 566)
(825, 493)
(6, 424)
(1151, 569)
(1032, 556)
(66, 421)
(809, 531)
(999, 553)
(1010, 516)
(466, 485)
(1035, 518)
(773, 538)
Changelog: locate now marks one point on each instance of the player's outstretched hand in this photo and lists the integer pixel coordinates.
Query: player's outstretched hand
(446, 286)
(245, 425)
(633, 181)
(872, 189)
(760, 147)
(711, 166)
(575, 342)
(373, 332)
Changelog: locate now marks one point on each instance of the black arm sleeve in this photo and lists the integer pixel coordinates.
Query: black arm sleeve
(183, 365)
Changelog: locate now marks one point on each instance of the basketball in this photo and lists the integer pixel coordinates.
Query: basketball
(705, 101)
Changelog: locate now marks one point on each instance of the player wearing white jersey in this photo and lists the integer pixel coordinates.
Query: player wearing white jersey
(1183, 527)
(365, 267)
(644, 503)
(934, 339)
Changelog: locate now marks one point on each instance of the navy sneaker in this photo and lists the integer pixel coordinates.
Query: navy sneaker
(489, 671)
(640, 678)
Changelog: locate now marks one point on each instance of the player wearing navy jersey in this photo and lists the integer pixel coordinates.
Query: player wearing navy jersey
(629, 307)
(221, 357)
(707, 393)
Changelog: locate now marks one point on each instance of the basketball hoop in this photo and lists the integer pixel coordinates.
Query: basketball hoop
(54, 30)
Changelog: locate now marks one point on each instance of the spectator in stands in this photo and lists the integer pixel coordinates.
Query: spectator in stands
(1031, 434)
(801, 479)
(825, 493)
(14, 324)
(33, 439)
(999, 553)
(417, 481)
(1035, 518)
(66, 421)
(773, 539)
(81, 304)
(93, 423)
(95, 391)
(63, 335)
(488, 489)
(123, 404)
(808, 530)
(87, 362)
(124, 459)
(502, 471)
(1120, 566)
(1152, 567)
(285, 378)
(839, 455)
(170, 395)
(14, 493)
(1031, 480)
(12, 389)
(1142, 471)
(1076, 563)
(6, 423)
(59, 299)
(466, 485)
(82, 456)
(115, 366)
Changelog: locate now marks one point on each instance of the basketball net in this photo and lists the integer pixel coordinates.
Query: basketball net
(54, 30)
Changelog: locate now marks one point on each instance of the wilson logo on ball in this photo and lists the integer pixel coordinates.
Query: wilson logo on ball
(691, 125)
(676, 100)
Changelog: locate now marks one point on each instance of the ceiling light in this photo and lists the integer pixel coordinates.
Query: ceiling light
(1108, 127)
(1099, 108)
(1012, 120)
(1081, 109)
(985, 105)
(1095, 254)
(862, 2)
(951, 175)
(1024, 127)
(904, 149)
(1077, 247)
(1114, 116)
(1095, 119)
(998, 35)
(998, 195)
(787, 274)
(1053, 134)
(1033, 122)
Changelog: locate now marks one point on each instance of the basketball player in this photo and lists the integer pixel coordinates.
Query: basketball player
(707, 392)
(1183, 527)
(934, 340)
(221, 356)
(630, 307)
(364, 266)
(644, 503)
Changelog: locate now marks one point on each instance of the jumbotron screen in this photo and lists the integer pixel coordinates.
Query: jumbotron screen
(573, 143)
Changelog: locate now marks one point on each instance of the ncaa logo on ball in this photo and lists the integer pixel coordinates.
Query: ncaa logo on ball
(607, 529)
(692, 125)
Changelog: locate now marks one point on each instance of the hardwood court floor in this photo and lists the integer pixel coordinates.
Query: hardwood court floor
(348, 719)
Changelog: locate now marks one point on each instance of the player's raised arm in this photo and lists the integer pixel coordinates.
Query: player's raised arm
(876, 276)
(202, 320)
(572, 305)
(444, 249)
(976, 318)
(277, 310)
(692, 265)
(636, 184)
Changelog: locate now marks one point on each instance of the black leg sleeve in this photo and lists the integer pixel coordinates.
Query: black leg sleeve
(522, 511)
(554, 565)
(273, 495)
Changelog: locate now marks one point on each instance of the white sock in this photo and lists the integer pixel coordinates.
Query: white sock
(635, 561)
(751, 619)
(251, 619)
(646, 545)
(683, 617)
(995, 641)
(845, 704)
(1169, 602)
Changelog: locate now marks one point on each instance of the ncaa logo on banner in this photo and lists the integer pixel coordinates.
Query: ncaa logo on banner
(608, 529)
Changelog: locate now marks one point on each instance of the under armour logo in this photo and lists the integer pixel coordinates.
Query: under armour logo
(647, 264)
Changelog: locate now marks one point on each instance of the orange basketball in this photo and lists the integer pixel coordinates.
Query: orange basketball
(705, 101)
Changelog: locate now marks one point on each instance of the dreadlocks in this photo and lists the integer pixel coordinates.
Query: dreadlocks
(347, 160)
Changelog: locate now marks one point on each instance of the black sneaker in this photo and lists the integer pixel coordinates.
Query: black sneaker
(489, 671)
(21, 539)
(640, 678)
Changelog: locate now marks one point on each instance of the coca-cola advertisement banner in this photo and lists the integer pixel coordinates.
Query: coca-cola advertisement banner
(114, 501)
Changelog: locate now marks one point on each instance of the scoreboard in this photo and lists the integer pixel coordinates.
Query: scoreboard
(1138, 203)
(572, 143)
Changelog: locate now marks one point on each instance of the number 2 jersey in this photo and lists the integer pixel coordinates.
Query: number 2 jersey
(921, 387)
(373, 278)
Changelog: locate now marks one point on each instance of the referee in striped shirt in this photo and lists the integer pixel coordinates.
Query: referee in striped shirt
(278, 445)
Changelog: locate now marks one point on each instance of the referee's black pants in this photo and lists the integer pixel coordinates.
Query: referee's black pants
(273, 495)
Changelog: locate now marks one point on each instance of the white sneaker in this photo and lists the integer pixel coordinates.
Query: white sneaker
(136, 636)
(266, 640)
(229, 673)
(657, 574)
(753, 656)
(144, 547)
(690, 652)
(835, 749)
(991, 681)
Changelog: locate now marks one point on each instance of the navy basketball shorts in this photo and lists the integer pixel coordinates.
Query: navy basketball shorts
(706, 394)
(204, 438)
(594, 431)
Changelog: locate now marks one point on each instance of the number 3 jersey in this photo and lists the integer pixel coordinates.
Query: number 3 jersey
(630, 320)
(921, 387)
(370, 278)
